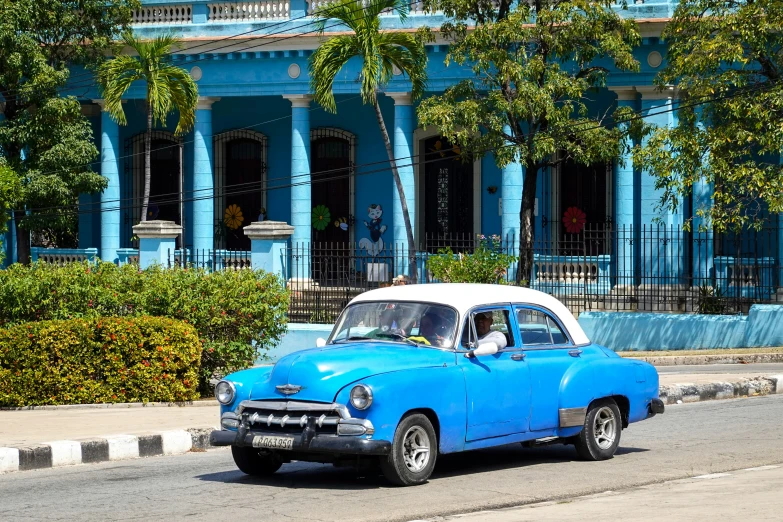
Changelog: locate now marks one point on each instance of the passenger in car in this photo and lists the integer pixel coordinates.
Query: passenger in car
(485, 333)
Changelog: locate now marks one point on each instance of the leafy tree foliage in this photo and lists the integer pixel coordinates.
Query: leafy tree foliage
(169, 89)
(44, 137)
(534, 66)
(727, 58)
(380, 53)
(9, 192)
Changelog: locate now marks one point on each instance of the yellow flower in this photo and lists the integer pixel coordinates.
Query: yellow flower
(233, 217)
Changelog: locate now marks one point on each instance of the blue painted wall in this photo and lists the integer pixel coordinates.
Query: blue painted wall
(622, 331)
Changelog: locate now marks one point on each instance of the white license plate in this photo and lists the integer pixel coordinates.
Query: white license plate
(273, 442)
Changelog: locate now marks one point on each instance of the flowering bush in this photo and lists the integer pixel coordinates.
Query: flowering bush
(238, 314)
(487, 264)
(99, 360)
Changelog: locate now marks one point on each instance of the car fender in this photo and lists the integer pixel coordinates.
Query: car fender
(244, 381)
(438, 389)
(613, 376)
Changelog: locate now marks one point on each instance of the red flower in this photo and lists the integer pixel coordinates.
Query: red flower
(574, 220)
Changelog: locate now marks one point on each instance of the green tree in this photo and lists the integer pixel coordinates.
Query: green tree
(169, 88)
(44, 138)
(534, 67)
(727, 58)
(9, 193)
(380, 52)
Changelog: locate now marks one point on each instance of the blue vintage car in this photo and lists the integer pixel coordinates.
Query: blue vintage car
(412, 372)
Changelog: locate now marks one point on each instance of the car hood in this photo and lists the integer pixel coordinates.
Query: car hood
(323, 372)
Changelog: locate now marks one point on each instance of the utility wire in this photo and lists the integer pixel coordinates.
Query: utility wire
(637, 115)
(341, 172)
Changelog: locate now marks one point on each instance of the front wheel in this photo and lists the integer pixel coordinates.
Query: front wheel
(252, 462)
(601, 434)
(413, 452)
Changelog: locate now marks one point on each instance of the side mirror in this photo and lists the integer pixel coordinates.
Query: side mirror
(320, 342)
(483, 349)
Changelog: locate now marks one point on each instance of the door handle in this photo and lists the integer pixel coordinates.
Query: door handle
(575, 353)
(518, 357)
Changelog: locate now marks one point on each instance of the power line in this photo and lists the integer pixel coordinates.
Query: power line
(342, 174)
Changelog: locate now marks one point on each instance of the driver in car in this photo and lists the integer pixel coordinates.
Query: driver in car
(483, 321)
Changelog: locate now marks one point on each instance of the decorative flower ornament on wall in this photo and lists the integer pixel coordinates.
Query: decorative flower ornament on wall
(574, 220)
(233, 217)
(321, 217)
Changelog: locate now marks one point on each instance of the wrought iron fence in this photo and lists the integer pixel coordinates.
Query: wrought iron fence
(654, 268)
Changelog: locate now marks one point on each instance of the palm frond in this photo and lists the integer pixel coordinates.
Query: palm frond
(407, 53)
(184, 96)
(325, 63)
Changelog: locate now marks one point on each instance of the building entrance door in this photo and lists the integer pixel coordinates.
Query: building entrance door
(448, 195)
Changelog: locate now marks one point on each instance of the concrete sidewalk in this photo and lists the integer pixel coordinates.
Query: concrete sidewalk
(64, 435)
(746, 494)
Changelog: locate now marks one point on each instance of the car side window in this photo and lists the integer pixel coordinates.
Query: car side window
(500, 322)
(558, 336)
(533, 327)
(537, 328)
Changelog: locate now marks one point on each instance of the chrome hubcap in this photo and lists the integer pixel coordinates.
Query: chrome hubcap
(416, 449)
(605, 428)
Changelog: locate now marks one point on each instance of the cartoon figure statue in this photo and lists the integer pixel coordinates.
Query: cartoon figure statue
(373, 245)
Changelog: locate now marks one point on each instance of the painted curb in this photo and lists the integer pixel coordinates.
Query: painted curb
(115, 447)
(177, 442)
(680, 360)
(752, 387)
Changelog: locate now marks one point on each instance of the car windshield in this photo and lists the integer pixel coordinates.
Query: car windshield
(403, 322)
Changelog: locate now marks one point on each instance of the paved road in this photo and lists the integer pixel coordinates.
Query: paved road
(751, 369)
(689, 440)
(747, 494)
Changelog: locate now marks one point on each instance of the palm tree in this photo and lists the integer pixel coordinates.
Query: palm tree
(380, 52)
(169, 88)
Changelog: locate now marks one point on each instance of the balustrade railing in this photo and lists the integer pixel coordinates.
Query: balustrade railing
(248, 11)
(61, 256)
(163, 14)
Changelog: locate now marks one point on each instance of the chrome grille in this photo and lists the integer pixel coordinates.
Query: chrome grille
(292, 416)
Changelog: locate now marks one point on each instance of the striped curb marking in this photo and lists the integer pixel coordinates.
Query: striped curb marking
(116, 447)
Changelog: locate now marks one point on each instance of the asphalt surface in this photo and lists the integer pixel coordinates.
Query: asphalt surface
(688, 440)
(754, 369)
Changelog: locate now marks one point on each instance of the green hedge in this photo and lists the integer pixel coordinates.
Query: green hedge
(99, 360)
(238, 314)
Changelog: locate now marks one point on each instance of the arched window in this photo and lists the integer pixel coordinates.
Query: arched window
(165, 202)
(240, 185)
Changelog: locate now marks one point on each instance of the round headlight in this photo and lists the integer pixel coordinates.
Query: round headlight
(225, 392)
(361, 397)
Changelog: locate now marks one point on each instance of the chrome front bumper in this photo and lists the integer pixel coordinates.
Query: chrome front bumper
(325, 428)
(296, 414)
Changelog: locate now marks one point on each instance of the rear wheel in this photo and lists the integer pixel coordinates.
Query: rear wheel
(601, 434)
(252, 462)
(413, 453)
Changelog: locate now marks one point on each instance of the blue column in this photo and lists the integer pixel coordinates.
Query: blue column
(110, 197)
(512, 180)
(301, 202)
(663, 251)
(625, 202)
(404, 124)
(511, 184)
(780, 257)
(203, 220)
(703, 254)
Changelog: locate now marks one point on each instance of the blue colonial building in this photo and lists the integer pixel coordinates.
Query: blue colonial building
(262, 150)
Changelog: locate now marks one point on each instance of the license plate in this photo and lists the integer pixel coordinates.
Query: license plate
(273, 442)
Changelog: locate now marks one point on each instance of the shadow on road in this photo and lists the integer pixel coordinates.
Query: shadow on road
(325, 476)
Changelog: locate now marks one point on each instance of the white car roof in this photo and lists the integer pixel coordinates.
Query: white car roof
(464, 296)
